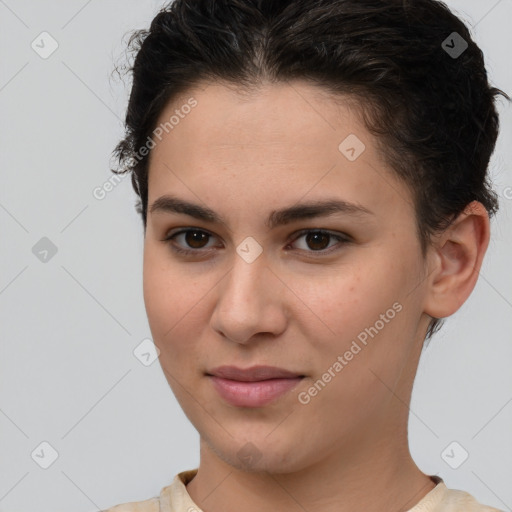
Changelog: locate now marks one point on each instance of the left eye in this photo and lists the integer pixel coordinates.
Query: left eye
(315, 238)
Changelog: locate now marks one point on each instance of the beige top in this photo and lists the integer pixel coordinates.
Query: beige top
(175, 498)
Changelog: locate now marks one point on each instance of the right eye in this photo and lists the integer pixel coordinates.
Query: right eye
(193, 236)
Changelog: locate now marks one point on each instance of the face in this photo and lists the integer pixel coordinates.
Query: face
(335, 296)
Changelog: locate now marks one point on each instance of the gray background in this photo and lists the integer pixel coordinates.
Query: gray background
(68, 375)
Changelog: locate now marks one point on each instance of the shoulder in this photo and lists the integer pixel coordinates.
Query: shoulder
(150, 505)
(454, 500)
(173, 497)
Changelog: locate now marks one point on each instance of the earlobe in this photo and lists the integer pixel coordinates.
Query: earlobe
(456, 258)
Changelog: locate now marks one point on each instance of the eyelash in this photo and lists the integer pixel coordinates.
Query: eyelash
(341, 238)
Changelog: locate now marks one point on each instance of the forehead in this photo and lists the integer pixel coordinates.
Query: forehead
(277, 143)
(295, 113)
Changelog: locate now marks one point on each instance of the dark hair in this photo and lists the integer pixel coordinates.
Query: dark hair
(432, 110)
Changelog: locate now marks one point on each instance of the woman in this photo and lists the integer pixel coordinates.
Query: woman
(255, 131)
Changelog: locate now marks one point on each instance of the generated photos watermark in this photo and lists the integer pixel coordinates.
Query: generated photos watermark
(342, 361)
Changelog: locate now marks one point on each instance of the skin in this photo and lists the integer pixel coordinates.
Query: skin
(243, 155)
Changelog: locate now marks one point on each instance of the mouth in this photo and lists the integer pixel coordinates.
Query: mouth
(253, 374)
(253, 387)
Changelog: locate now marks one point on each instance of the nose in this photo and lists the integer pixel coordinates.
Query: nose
(250, 301)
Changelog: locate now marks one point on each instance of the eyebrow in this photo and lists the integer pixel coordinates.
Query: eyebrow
(320, 208)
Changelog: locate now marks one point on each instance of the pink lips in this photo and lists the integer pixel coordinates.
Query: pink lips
(252, 387)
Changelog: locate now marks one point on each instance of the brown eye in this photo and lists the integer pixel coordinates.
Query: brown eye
(195, 239)
(317, 240)
(192, 241)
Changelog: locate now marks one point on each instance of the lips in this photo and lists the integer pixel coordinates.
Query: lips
(253, 374)
(252, 387)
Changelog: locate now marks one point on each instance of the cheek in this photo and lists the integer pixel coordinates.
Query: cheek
(175, 299)
(167, 296)
(157, 293)
(355, 368)
(364, 313)
(352, 297)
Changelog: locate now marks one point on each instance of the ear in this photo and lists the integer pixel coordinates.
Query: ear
(455, 258)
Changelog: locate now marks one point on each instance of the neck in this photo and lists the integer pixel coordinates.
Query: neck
(379, 475)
